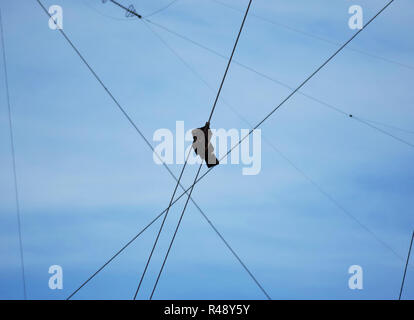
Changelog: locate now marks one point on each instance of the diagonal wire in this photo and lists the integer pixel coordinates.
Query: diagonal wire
(175, 233)
(314, 36)
(85, 2)
(162, 225)
(170, 172)
(175, 190)
(16, 189)
(406, 265)
(279, 82)
(184, 193)
(383, 131)
(230, 60)
(240, 141)
(199, 168)
(272, 79)
(289, 96)
(126, 9)
(91, 7)
(198, 208)
(388, 126)
(307, 177)
(161, 9)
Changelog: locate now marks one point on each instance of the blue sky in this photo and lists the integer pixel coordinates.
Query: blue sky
(88, 183)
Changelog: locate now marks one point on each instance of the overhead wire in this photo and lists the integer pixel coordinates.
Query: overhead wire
(383, 131)
(161, 227)
(300, 171)
(178, 182)
(231, 149)
(155, 12)
(175, 233)
(314, 36)
(199, 168)
(406, 265)
(161, 9)
(249, 133)
(167, 168)
(288, 97)
(388, 126)
(272, 79)
(13, 153)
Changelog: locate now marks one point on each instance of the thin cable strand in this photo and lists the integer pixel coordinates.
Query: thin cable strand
(320, 38)
(239, 143)
(161, 227)
(175, 233)
(315, 184)
(16, 189)
(289, 96)
(161, 9)
(170, 172)
(278, 82)
(250, 132)
(198, 172)
(406, 265)
(232, 109)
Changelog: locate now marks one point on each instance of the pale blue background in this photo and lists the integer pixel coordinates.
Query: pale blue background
(88, 182)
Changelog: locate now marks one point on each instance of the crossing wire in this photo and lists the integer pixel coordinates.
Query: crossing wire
(199, 168)
(161, 227)
(175, 189)
(314, 36)
(161, 9)
(169, 171)
(307, 177)
(288, 97)
(291, 94)
(250, 132)
(406, 265)
(272, 79)
(388, 126)
(209, 170)
(16, 189)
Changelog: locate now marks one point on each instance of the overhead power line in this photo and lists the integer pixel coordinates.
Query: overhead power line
(178, 182)
(278, 82)
(175, 233)
(13, 153)
(200, 178)
(161, 227)
(128, 10)
(307, 177)
(156, 12)
(161, 9)
(406, 265)
(287, 98)
(199, 168)
(314, 36)
(383, 131)
(388, 126)
(166, 167)
(180, 196)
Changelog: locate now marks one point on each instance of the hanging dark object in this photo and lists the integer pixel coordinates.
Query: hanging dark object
(202, 146)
